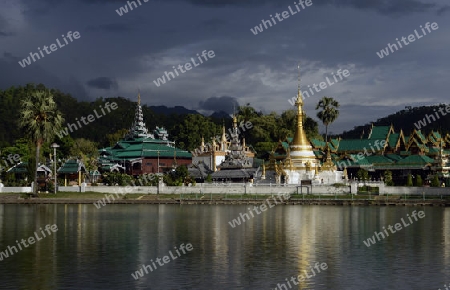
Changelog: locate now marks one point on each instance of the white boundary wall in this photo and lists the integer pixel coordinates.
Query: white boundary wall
(15, 189)
(204, 188)
(218, 189)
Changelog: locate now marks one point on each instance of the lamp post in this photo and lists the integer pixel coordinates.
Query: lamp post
(54, 146)
(158, 161)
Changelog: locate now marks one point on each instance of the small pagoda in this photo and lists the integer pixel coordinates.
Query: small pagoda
(237, 165)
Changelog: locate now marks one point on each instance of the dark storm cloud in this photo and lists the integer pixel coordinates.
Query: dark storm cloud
(384, 6)
(393, 7)
(10, 57)
(381, 6)
(18, 76)
(103, 83)
(110, 27)
(6, 34)
(262, 70)
(225, 103)
(443, 10)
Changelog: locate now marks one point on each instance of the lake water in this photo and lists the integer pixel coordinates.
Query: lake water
(101, 248)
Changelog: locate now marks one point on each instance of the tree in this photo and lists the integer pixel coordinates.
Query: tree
(40, 120)
(419, 181)
(409, 181)
(328, 113)
(188, 133)
(86, 151)
(117, 178)
(388, 178)
(115, 137)
(435, 181)
(246, 113)
(178, 176)
(362, 174)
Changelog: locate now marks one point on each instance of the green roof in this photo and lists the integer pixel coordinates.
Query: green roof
(141, 148)
(358, 145)
(379, 132)
(394, 157)
(354, 161)
(393, 139)
(435, 137)
(318, 143)
(379, 159)
(416, 160)
(423, 139)
(72, 166)
(19, 168)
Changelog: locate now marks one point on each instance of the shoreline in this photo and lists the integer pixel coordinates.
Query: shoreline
(177, 201)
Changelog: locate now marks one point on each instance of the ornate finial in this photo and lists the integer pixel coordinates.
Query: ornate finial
(299, 100)
(139, 97)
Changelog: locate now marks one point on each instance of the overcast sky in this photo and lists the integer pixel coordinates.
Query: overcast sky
(115, 55)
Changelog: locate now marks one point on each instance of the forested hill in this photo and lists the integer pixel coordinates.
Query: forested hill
(185, 127)
(426, 118)
(72, 109)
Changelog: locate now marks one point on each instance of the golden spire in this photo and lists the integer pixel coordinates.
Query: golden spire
(300, 135)
(328, 164)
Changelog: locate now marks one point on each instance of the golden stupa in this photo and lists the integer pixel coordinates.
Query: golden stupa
(301, 152)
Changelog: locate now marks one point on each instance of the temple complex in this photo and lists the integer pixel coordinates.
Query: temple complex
(141, 152)
(383, 148)
(215, 153)
(225, 161)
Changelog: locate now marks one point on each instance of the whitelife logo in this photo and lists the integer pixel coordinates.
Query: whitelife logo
(31, 240)
(361, 155)
(124, 9)
(10, 158)
(284, 14)
(197, 151)
(430, 118)
(300, 278)
(123, 191)
(165, 260)
(187, 66)
(90, 118)
(237, 221)
(411, 38)
(323, 85)
(35, 56)
(397, 226)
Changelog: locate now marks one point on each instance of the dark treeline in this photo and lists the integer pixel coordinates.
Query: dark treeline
(408, 120)
(185, 127)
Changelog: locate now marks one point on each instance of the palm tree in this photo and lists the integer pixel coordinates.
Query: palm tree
(41, 120)
(329, 112)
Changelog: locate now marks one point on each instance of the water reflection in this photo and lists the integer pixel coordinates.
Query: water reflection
(100, 248)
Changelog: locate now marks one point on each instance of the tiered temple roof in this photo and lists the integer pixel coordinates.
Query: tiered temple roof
(139, 144)
(237, 165)
(383, 148)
